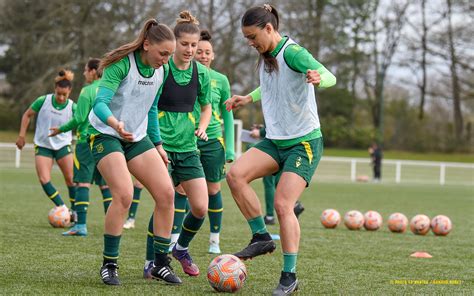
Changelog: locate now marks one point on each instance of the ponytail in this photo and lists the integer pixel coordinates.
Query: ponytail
(64, 79)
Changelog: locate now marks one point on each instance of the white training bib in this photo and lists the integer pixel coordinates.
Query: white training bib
(132, 102)
(49, 117)
(288, 101)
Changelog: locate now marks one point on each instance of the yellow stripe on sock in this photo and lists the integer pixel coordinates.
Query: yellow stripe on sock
(309, 152)
(54, 195)
(72, 200)
(215, 210)
(155, 242)
(107, 199)
(193, 231)
(136, 201)
(109, 257)
(82, 203)
(180, 211)
(150, 234)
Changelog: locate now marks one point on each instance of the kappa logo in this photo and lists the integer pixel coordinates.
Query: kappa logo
(99, 148)
(298, 161)
(140, 82)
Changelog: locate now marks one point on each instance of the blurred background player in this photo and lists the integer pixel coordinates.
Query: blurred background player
(125, 139)
(376, 156)
(85, 171)
(269, 184)
(217, 150)
(52, 110)
(132, 212)
(293, 145)
(187, 82)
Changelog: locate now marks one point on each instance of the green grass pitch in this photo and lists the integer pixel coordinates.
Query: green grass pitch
(36, 259)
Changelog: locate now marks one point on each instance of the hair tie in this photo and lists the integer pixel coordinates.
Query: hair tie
(267, 7)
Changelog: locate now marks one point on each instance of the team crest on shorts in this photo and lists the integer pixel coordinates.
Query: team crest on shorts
(99, 148)
(298, 162)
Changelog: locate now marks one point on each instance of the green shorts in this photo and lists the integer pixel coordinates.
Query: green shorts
(301, 159)
(184, 166)
(212, 156)
(54, 154)
(102, 145)
(85, 170)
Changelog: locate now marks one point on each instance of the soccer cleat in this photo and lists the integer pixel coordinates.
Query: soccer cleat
(298, 209)
(147, 270)
(109, 274)
(76, 230)
(214, 248)
(260, 244)
(164, 273)
(129, 224)
(189, 267)
(288, 284)
(269, 220)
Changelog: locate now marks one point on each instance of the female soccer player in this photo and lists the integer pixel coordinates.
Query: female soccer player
(53, 110)
(187, 82)
(293, 144)
(85, 171)
(217, 150)
(123, 114)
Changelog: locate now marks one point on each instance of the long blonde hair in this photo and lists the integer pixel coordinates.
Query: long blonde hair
(152, 31)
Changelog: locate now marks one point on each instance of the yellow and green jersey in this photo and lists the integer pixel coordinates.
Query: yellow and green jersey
(177, 128)
(80, 120)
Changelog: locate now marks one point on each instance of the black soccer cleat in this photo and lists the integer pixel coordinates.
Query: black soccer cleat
(165, 273)
(298, 209)
(109, 274)
(259, 245)
(288, 284)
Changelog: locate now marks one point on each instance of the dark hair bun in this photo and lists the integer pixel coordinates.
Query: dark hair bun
(205, 35)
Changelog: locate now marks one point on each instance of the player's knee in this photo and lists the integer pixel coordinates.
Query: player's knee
(44, 180)
(283, 208)
(234, 178)
(199, 211)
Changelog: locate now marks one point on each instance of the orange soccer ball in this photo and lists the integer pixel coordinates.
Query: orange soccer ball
(59, 217)
(420, 224)
(226, 273)
(441, 225)
(330, 218)
(354, 220)
(372, 220)
(397, 222)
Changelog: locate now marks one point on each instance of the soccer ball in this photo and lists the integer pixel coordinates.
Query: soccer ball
(59, 217)
(420, 224)
(226, 273)
(330, 218)
(372, 220)
(441, 225)
(397, 222)
(354, 220)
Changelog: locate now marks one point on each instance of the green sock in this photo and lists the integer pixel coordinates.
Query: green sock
(257, 225)
(179, 212)
(72, 197)
(289, 262)
(111, 248)
(135, 202)
(53, 194)
(81, 204)
(106, 198)
(215, 212)
(269, 189)
(161, 246)
(187, 207)
(191, 226)
(150, 252)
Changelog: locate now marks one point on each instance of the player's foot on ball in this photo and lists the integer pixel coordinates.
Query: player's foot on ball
(165, 273)
(287, 285)
(260, 244)
(189, 267)
(109, 274)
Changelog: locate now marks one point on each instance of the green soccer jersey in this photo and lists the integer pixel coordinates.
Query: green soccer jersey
(177, 128)
(220, 92)
(38, 103)
(80, 120)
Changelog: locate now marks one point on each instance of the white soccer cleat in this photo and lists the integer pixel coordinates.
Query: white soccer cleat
(129, 224)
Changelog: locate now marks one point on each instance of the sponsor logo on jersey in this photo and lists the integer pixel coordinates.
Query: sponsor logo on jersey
(140, 82)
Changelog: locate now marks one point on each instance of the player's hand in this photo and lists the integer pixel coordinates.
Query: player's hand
(54, 132)
(163, 154)
(201, 134)
(313, 77)
(255, 133)
(120, 128)
(237, 102)
(20, 142)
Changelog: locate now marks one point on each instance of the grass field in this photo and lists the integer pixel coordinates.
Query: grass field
(35, 259)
